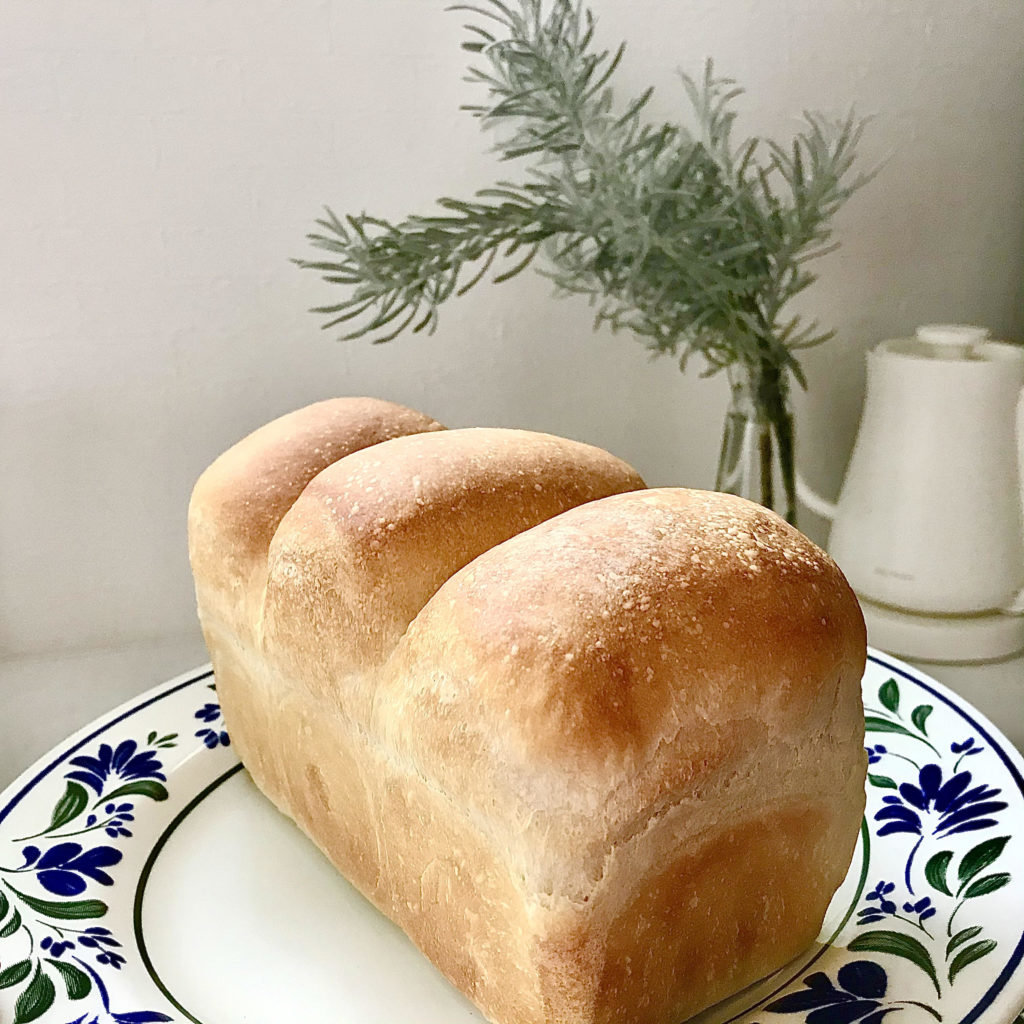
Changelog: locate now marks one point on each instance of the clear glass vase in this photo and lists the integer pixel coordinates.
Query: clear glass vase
(757, 457)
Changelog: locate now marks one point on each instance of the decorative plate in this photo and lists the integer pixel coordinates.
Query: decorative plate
(143, 879)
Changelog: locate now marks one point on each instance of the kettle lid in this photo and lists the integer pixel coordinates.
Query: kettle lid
(951, 341)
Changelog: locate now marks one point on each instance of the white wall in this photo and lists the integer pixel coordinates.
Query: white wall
(161, 161)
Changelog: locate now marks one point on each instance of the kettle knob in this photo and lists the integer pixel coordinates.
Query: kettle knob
(951, 341)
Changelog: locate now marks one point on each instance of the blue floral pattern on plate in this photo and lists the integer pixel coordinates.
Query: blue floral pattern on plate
(915, 934)
(52, 967)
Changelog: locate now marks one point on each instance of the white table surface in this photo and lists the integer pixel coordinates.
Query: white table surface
(43, 700)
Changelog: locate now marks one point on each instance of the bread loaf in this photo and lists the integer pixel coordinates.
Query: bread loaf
(597, 749)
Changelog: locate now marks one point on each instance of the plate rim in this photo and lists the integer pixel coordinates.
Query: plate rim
(1000, 991)
(26, 780)
(1003, 999)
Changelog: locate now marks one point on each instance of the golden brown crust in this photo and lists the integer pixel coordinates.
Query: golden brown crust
(718, 917)
(239, 501)
(372, 537)
(648, 633)
(604, 765)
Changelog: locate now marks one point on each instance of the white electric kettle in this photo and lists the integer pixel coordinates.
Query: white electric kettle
(928, 527)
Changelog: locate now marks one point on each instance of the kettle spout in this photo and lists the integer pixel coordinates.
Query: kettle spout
(814, 501)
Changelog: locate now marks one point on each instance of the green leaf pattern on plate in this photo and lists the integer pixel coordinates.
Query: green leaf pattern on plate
(905, 813)
(898, 944)
(119, 776)
(919, 716)
(70, 805)
(36, 999)
(935, 871)
(929, 801)
(77, 982)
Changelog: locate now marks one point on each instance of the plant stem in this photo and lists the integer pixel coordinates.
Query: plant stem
(787, 464)
(81, 831)
(764, 444)
(949, 923)
(924, 1006)
(35, 835)
(759, 417)
(101, 988)
(910, 861)
(52, 927)
(770, 395)
(913, 923)
(903, 757)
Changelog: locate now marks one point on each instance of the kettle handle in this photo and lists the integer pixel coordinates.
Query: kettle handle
(827, 509)
(1016, 606)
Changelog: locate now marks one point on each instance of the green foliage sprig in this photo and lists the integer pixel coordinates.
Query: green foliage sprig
(680, 234)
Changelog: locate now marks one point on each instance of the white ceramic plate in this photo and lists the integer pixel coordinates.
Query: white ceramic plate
(143, 879)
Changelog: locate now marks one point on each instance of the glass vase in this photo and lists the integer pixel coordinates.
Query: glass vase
(757, 458)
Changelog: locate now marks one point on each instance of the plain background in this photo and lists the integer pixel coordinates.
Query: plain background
(161, 162)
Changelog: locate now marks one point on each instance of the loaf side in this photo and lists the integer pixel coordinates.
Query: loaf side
(597, 749)
(649, 707)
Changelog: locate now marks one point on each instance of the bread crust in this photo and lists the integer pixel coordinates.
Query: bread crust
(239, 501)
(373, 536)
(598, 750)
